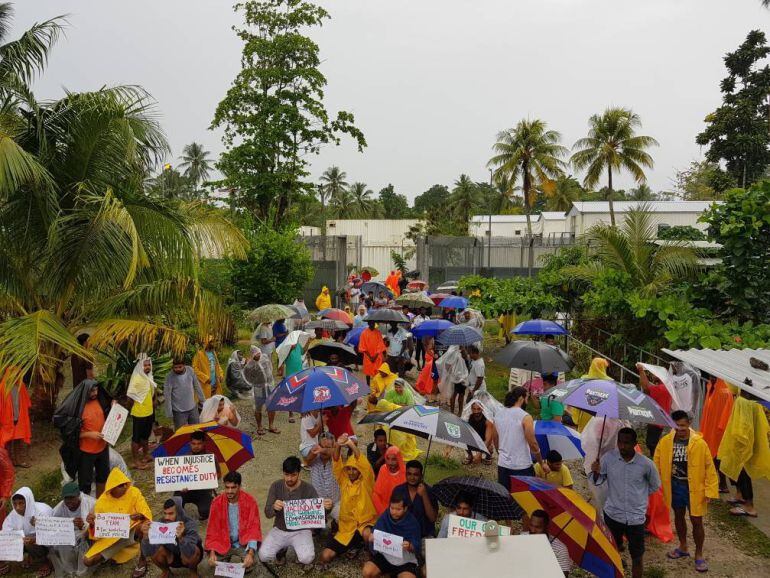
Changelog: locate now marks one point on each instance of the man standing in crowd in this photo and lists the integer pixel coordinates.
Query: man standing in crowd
(77, 506)
(477, 372)
(263, 336)
(187, 552)
(201, 499)
(398, 341)
(141, 392)
(371, 346)
(517, 443)
(207, 369)
(259, 372)
(419, 499)
(662, 397)
(94, 464)
(630, 478)
(180, 390)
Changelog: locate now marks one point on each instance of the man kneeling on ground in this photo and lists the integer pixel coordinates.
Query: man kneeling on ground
(186, 552)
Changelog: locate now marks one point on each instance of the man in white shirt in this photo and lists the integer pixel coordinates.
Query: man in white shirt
(309, 427)
(477, 372)
(397, 339)
(264, 339)
(419, 350)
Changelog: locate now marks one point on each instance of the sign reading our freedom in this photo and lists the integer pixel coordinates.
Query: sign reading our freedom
(195, 472)
(304, 514)
(460, 527)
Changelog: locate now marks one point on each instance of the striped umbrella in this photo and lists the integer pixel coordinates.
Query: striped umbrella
(460, 335)
(552, 435)
(336, 315)
(573, 521)
(231, 447)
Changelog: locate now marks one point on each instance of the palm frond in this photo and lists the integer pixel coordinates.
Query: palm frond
(138, 335)
(29, 54)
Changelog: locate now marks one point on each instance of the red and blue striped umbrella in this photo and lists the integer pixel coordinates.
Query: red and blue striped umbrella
(552, 435)
(316, 388)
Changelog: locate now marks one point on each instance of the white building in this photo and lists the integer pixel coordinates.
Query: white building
(586, 214)
(502, 225)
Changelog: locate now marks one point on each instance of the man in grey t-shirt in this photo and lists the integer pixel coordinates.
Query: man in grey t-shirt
(180, 389)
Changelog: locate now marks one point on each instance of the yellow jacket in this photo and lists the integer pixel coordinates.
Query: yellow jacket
(356, 506)
(378, 385)
(202, 371)
(405, 442)
(744, 443)
(701, 473)
(324, 300)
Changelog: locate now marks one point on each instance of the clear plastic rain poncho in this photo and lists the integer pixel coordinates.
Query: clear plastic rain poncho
(221, 410)
(689, 388)
(490, 407)
(234, 376)
(451, 369)
(141, 384)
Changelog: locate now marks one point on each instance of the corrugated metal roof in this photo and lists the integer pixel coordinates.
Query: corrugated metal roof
(651, 206)
(553, 215)
(694, 244)
(481, 219)
(732, 365)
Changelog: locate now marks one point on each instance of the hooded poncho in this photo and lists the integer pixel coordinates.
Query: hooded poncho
(141, 388)
(387, 480)
(744, 444)
(14, 422)
(356, 507)
(372, 346)
(16, 521)
(379, 384)
(451, 370)
(210, 411)
(235, 377)
(324, 300)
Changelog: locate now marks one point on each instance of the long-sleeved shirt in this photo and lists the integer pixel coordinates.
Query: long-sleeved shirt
(629, 485)
(180, 391)
(233, 518)
(279, 491)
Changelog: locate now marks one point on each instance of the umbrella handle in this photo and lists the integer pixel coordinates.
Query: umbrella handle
(427, 455)
(561, 530)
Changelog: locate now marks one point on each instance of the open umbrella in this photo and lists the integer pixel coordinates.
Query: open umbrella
(375, 287)
(454, 302)
(574, 522)
(415, 300)
(551, 435)
(492, 500)
(354, 336)
(386, 316)
(270, 313)
(231, 447)
(336, 315)
(534, 356)
(417, 285)
(328, 325)
(316, 388)
(539, 327)
(460, 335)
(438, 297)
(322, 351)
(370, 271)
(431, 328)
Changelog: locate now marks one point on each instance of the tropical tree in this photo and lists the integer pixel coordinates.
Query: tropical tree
(196, 164)
(641, 193)
(341, 204)
(565, 191)
(171, 184)
(506, 198)
(529, 152)
(362, 200)
(464, 199)
(612, 145)
(334, 183)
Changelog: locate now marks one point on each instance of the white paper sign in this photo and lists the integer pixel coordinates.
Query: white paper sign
(304, 514)
(194, 472)
(50, 531)
(229, 570)
(388, 544)
(112, 526)
(12, 546)
(163, 532)
(460, 527)
(114, 423)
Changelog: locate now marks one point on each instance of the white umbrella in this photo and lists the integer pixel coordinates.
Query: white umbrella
(293, 338)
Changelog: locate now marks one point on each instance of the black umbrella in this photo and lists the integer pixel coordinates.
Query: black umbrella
(375, 287)
(328, 324)
(490, 498)
(534, 356)
(387, 316)
(322, 352)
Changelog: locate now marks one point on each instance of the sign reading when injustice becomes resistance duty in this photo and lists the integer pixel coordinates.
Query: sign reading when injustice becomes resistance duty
(194, 472)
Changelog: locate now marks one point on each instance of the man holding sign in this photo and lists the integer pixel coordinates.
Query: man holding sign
(177, 548)
(22, 519)
(394, 523)
(77, 506)
(293, 504)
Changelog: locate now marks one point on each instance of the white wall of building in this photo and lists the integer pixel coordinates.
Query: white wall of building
(585, 215)
(503, 225)
(372, 231)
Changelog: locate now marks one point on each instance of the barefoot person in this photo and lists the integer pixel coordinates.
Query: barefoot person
(186, 552)
(141, 391)
(22, 519)
(259, 372)
(68, 560)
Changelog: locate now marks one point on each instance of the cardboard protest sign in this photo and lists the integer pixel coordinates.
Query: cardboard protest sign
(163, 532)
(460, 527)
(12, 546)
(229, 570)
(112, 526)
(51, 531)
(114, 423)
(195, 472)
(388, 544)
(304, 514)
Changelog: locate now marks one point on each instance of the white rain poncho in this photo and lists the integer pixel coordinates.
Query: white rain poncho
(293, 338)
(235, 378)
(489, 405)
(210, 411)
(141, 384)
(451, 369)
(17, 522)
(687, 383)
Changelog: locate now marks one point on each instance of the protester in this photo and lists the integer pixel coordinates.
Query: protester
(599, 437)
(481, 420)
(201, 499)
(372, 347)
(401, 394)
(687, 390)
(354, 292)
(390, 475)
(263, 336)
(516, 439)
(405, 442)
(507, 322)
(179, 390)
(280, 538)
(22, 519)
(381, 301)
(550, 409)
(419, 350)
(234, 527)
(324, 300)
(397, 520)
(369, 300)
(375, 451)
(235, 379)
(7, 479)
(398, 342)
(310, 425)
(94, 460)
(716, 415)
(221, 410)
(358, 320)
(453, 376)
(660, 394)
(319, 460)
(280, 332)
(207, 369)
(471, 320)
(187, 552)
(476, 372)
(538, 524)
(560, 476)
(419, 498)
(141, 392)
(379, 385)
(426, 380)
(337, 420)
(689, 480)
(259, 372)
(120, 497)
(15, 425)
(630, 478)
(68, 560)
(292, 363)
(597, 370)
(463, 507)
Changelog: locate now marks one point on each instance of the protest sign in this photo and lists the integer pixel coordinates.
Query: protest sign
(388, 544)
(163, 532)
(114, 423)
(460, 527)
(112, 526)
(51, 531)
(304, 514)
(194, 472)
(12, 546)
(229, 570)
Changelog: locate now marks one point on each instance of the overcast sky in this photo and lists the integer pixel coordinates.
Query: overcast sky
(430, 82)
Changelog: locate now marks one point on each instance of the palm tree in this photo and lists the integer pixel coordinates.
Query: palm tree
(333, 181)
(529, 152)
(612, 144)
(641, 193)
(566, 190)
(363, 200)
(631, 249)
(506, 189)
(341, 204)
(463, 200)
(195, 163)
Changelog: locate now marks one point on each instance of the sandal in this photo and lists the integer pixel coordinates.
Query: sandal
(261, 431)
(292, 420)
(274, 430)
(139, 571)
(741, 511)
(676, 553)
(23, 465)
(701, 566)
(735, 501)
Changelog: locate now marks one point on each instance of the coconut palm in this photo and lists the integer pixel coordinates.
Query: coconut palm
(195, 163)
(612, 145)
(341, 204)
(506, 189)
(565, 191)
(529, 152)
(641, 193)
(333, 181)
(362, 199)
(464, 198)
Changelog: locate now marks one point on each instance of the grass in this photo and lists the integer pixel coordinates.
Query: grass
(746, 537)
(440, 467)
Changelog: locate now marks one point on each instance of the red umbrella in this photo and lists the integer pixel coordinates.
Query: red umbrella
(417, 285)
(336, 315)
(438, 297)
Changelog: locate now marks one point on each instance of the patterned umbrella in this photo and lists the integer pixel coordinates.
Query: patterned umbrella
(316, 388)
(415, 300)
(492, 500)
(417, 285)
(322, 351)
(328, 325)
(534, 356)
(574, 522)
(336, 315)
(460, 335)
(370, 270)
(375, 287)
(270, 313)
(431, 328)
(438, 297)
(552, 435)
(231, 447)
(539, 327)
(454, 302)
(386, 316)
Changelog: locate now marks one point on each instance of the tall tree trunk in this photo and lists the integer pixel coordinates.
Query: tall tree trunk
(609, 195)
(527, 185)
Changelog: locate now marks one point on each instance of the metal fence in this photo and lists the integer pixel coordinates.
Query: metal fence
(331, 258)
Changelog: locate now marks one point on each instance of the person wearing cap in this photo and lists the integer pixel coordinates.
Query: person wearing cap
(77, 506)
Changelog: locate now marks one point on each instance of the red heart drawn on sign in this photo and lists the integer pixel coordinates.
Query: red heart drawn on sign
(387, 541)
(163, 529)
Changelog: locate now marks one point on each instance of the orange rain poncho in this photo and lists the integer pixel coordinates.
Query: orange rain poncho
(372, 346)
(391, 282)
(716, 414)
(387, 480)
(21, 429)
(425, 382)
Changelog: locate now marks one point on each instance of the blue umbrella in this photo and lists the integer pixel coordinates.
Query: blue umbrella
(316, 388)
(431, 328)
(454, 302)
(552, 435)
(460, 335)
(354, 335)
(375, 287)
(539, 327)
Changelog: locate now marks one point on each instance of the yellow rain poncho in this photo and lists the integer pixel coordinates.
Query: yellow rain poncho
(202, 368)
(598, 370)
(507, 322)
(356, 506)
(744, 443)
(381, 382)
(405, 442)
(324, 300)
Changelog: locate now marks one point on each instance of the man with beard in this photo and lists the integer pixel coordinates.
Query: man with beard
(180, 390)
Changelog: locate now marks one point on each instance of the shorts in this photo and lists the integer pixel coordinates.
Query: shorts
(93, 468)
(680, 494)
(142, 428)
(260, 397)
(389, 569)
(633, 533)
(460, 388)
(357, 541)
(504, 475)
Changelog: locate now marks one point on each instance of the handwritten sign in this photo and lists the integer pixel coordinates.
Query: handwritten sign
(304, 514)
(12, 546)
(460, 527)
(114, 423)
(229, 570)
(388, 544)
(163, 532)
(194, 472)
(112, 526)
(51, 531)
